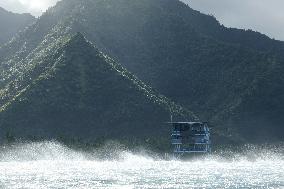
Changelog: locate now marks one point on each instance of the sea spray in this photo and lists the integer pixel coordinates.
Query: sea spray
(53, 165)
(49, 150)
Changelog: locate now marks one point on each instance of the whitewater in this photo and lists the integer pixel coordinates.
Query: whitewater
(53, 165)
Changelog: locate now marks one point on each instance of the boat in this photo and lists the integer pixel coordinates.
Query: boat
(190, 139)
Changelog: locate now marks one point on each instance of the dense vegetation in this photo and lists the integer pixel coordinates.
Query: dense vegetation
(232, 78)
(12, 23)
(76, 91)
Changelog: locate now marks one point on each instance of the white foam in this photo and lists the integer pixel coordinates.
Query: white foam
(52, 165)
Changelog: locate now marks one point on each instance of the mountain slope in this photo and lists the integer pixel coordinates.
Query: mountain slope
(229, 77)
(11, 23)
(80, 92)
(208, 25)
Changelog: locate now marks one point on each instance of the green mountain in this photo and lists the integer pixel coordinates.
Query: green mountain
(11, 23)
(229, 77)
(77, 91)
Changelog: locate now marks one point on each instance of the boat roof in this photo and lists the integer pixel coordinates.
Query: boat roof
(187, 123)
(190, 123)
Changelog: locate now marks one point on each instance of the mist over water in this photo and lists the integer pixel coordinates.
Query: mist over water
(53, 165)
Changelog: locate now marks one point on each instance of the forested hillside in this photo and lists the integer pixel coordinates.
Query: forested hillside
(75, 91)
(232, 78)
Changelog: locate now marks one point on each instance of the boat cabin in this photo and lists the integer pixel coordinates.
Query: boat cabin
(190, 138)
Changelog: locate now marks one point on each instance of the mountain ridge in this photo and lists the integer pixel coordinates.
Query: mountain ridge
(185, 55)
(84, 94)
(11, 23)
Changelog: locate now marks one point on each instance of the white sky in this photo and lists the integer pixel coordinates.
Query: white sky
(265, 16)
(35, 7)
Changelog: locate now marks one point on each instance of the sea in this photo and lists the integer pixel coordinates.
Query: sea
(53, 165)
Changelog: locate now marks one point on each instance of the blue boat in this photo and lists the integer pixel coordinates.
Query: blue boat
(190, 138)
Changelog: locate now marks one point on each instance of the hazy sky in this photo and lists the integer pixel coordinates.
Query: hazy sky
(265, 16)
(35, 7)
